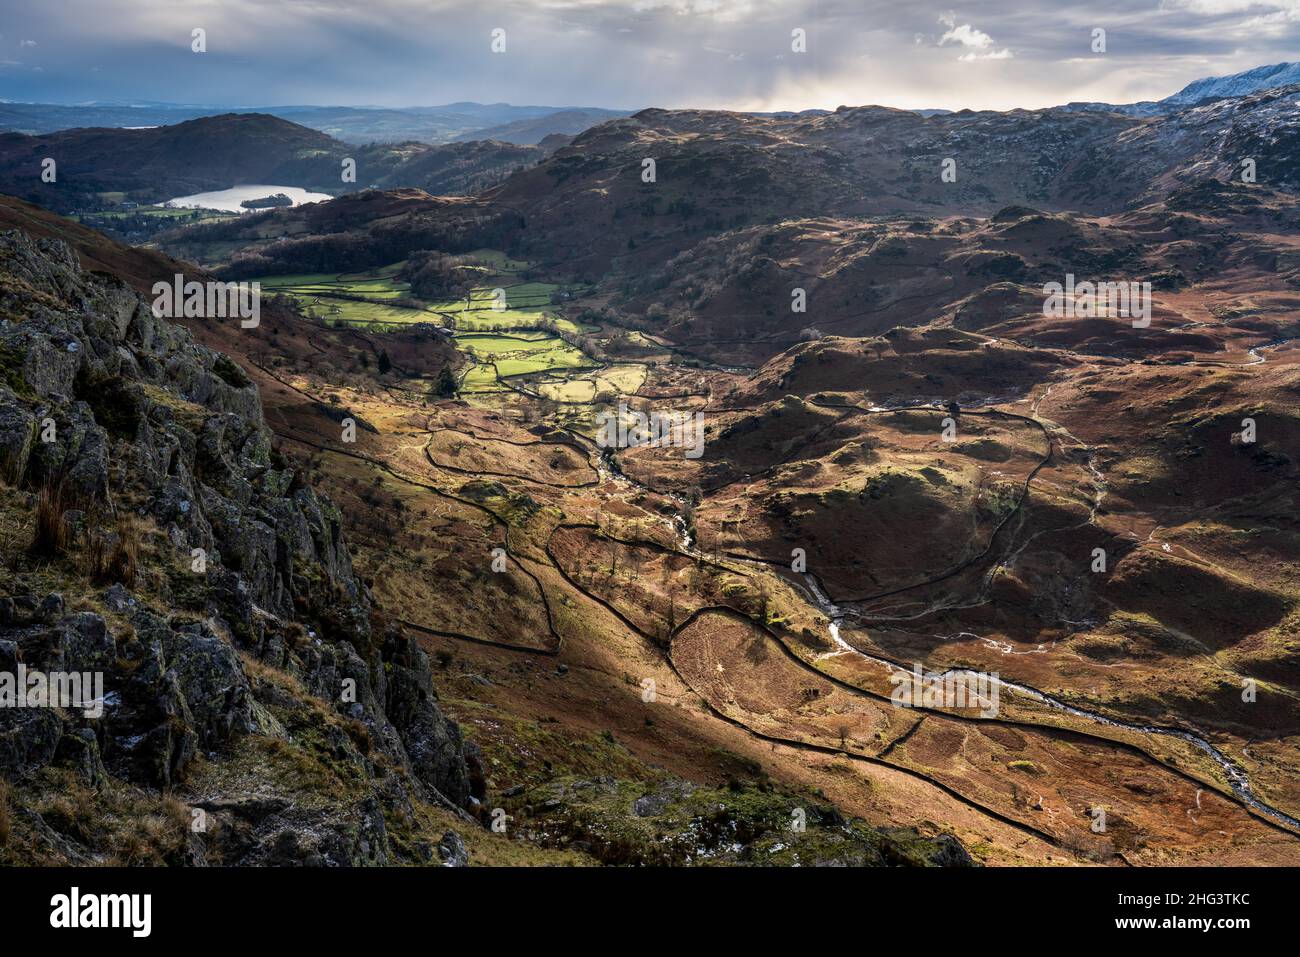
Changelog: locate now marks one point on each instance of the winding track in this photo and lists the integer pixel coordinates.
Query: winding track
(496, 518)
(1240, 790)
(1268, 815)
(1276, 819)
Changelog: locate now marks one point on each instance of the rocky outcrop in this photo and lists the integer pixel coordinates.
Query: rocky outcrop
(246, 621)
(676, 823)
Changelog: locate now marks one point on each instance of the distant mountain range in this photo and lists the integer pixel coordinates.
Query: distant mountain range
(1205, 90)
(155, 162)
(532, 130)
(523, 125)
(724, 178)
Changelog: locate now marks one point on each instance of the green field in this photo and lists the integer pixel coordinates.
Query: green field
(370, 298)
(484, 342)
(502, 342)
(512, 356)
(481, 379)
(366, 299)
(155, 212)
(616, 380)
(525, 305)
(498, 262)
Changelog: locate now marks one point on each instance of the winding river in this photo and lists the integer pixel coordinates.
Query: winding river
(1237, 778)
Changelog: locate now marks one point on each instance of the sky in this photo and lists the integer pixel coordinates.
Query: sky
(723, 54)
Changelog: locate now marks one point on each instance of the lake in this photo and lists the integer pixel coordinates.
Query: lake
(228, 200)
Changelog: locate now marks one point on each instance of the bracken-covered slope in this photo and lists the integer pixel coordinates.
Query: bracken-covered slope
(948, 455)
(728, 297)
(715, 171)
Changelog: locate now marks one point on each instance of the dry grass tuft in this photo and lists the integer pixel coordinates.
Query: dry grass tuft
(50, 533)
(118, 562)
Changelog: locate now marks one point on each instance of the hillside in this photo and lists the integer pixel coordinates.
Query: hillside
(1072, 434)
(213, 153)
(223, 674)
(155, 164)
(717, 171)
(849, 206)
(139, 268)
(259, 706)
(458, 169)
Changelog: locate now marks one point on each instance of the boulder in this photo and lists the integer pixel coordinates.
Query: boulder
(452, 850)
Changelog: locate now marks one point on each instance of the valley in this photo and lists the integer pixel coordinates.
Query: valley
(910, 466)
(599, 558)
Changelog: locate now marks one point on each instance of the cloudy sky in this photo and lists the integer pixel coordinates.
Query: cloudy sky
(734, 54)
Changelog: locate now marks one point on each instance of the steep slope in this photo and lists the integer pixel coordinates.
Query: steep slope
(155, 538)
(140, 268)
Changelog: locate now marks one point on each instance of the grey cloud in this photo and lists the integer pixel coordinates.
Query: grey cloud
(706, 53)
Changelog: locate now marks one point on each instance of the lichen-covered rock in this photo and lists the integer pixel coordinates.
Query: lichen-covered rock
(452, 850)
(434, 744)
(79, 750)
(212, 682)
(17, 433)
(76, 455)
(29, 738)
(948, 852)
(142, 414)
(46, 364)
(166, 749)
(84, 644)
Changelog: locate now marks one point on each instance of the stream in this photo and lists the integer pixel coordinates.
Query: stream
(1237, 778)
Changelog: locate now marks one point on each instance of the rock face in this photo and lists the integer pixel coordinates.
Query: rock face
(240, 621)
